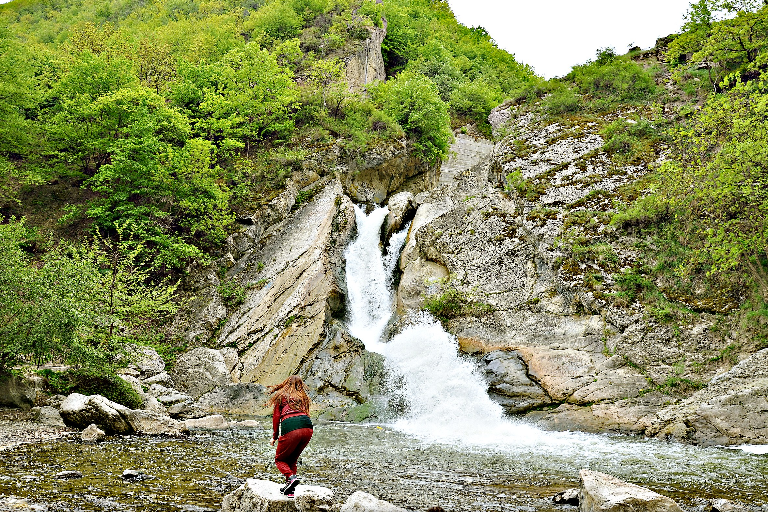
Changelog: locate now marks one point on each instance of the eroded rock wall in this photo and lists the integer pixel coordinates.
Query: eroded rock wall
(585, 362)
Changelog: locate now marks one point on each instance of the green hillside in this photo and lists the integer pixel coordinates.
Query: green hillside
(134, 133)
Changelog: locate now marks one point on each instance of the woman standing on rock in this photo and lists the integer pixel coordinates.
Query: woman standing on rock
(291, 416)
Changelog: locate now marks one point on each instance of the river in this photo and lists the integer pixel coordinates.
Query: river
(453, 447)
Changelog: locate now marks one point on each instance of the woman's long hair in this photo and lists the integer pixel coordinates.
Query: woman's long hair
(291, 390)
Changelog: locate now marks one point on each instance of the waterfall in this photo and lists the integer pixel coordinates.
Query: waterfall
(446, 396)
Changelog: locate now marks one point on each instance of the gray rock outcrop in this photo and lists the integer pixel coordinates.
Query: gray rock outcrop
(605, 364)
(604, 493)
(366, 64)
(732, 409)
(265, 496)
(360, 501)
(509, 383)
(281, 321)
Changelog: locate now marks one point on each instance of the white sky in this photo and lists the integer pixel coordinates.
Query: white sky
(553, 35)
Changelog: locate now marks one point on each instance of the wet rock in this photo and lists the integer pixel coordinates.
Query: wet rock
(80, 411)
(215, 421)
(92, 434)
(567, 497)
(360, 501)
(402, 207)
(47, 415)
(199, 371)
(69, 475)
(508, 382)
(265, 496)
(132, 475)
(604, 493)
(342, 371)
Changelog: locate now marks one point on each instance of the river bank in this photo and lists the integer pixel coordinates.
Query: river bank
(17, 427)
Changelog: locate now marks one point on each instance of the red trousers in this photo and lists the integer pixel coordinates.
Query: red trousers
(289, 447)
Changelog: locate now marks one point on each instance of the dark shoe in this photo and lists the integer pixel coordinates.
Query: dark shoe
(290, 485)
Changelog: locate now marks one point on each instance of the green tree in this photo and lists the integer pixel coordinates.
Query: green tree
(254, 98)
(414, 102)
(718, 184)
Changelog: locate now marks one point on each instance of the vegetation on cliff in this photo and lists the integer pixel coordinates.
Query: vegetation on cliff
(134, 133)
(688, 234)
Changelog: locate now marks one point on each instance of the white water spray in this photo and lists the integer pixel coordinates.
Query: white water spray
(447, 398)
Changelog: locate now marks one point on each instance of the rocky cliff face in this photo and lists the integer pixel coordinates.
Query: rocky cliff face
(273, 304)
(366, 64)
(554, 344)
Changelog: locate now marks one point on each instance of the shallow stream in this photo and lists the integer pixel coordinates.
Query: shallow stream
(452, 447)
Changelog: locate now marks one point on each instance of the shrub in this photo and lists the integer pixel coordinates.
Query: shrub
(613, 78)
(561, 100)
(94, 382)
(474, 100)
(414, 102)
(454, 303)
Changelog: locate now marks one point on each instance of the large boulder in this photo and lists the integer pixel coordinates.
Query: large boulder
(265, 496)
(605, 493)
(200, 370)
(360, 501)
(18, 391)
(80, 411)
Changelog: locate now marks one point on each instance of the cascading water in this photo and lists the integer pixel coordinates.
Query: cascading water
(447, 398)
